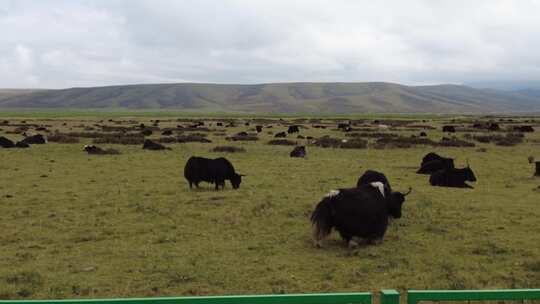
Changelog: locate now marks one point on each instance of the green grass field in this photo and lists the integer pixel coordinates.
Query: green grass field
(77, 225)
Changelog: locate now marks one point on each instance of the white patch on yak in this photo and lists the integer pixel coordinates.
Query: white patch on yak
(332, 193)
(343, 140)
(379, 186)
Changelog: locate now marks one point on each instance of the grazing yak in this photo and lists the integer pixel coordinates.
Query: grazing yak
(356, 212)
(214, 171)
(293, 129)
(433, 162)
(453, 178)
(151, 145)
(423, 134)
(449, 129)
(258, 129)
(281, 134)
(298, 151)
(371, 176)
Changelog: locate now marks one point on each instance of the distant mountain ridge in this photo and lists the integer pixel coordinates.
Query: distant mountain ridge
(334, 97)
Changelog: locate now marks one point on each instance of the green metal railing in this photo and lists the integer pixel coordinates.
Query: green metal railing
(390, 296)
(415, 296)
(387, 296)
(329, 298)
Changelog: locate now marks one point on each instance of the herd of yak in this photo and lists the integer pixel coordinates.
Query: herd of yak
(360, 212)
(363, 211)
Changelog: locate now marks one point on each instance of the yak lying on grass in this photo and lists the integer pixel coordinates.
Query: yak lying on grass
(449, 129)
(37, 139)
(298, 151)
(6, 142)
(371, 176)
(433, 162)
(356, 212)
(95, 150)
(453, 178)
(151, 145)
(214, 171)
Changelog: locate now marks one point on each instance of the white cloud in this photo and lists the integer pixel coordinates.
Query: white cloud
(75, 43)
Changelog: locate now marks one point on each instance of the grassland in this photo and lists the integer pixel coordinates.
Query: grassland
(78, 225)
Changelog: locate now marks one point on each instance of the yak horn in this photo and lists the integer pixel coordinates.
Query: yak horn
(408, 192)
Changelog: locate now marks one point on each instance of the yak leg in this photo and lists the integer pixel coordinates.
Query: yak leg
(352, 244)
(190, 184)
(346, 237)
(375, 241)
(220, 183)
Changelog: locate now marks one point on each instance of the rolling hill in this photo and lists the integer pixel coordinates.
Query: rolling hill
(278, 97)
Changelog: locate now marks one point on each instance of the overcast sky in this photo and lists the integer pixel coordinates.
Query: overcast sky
(59, 44)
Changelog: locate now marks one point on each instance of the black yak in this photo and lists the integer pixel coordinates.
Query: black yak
(449, 129)
(281, 134)
(494, 126)
(453, 178)
(293, 129)
(37, 139)
(298, 151)
(214, 171)
(21, 144)
(258, 129)
(356, 212)
(433, 162)
(6, 142)
(167, 132)
(371, 176)
(524, 129)
(92, 149)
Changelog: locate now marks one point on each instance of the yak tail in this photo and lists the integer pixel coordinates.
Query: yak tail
(321, 221)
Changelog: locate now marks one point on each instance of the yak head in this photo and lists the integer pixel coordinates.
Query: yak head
(468, 173)
(236, 179)
(395, 201)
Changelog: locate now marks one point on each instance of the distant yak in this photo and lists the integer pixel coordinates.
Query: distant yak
(293, 129)
(299, 151)
(449, 129)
